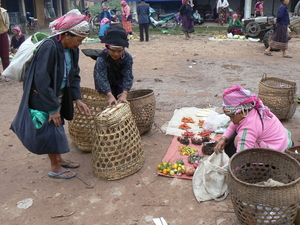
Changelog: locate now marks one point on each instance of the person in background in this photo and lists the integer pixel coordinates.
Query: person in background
(259, 8)
(104, 14)
(198, 20)
(16, 40)
(4, 41)
(113, 68)
(280, 36)
(47, 88)
(125, 16)
(221, 6)
(235, 25)
(143, 11)
(252, 124)
(186, 13)
(104, 25)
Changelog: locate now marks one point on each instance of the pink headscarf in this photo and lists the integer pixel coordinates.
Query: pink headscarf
(123, 3)
(234, 15)
(104, 21)
(237, 97)
(73, 21)
(19, 31)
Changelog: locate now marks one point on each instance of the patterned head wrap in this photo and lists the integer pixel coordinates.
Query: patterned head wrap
(73, 22)
(104, 21)
(19, 31)
(237, 100)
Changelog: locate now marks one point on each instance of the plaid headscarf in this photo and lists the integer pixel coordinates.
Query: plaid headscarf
(73, 21)
(237, 100)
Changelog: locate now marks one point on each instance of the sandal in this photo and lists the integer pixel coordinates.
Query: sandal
(7, 79)
(287, 56)
(268, 53)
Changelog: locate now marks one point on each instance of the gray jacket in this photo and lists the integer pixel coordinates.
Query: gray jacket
(143, 11)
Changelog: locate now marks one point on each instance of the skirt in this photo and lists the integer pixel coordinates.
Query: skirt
(187, 24)
(280, 37)
(127, 25)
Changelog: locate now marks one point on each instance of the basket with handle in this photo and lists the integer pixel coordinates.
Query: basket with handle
(117, 149)
(142, 105)
(257, 203)
(279, 95)
(82, 125)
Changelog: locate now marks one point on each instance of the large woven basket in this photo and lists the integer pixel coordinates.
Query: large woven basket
(294, 152)
(117, 149)
(279, 95)
(259, 204)
(82, 126)
(142, 104)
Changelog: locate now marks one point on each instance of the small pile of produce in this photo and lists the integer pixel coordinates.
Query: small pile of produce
(188, 134)
(204, 133)
(220, 36)
(196, 141)
(208, 148)
(169, 168)
(195, 158)
(185, 150)
(203, 113)
(184, 140)
(200, 123)
(206, 139)
(187, 120)
(184, 126)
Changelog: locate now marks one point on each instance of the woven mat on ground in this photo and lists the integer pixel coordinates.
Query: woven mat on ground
(173, 154)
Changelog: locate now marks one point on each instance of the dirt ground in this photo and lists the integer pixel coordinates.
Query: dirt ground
(182, 73)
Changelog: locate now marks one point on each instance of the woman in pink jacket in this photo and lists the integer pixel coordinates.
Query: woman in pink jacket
(252, 124)
(126, 21)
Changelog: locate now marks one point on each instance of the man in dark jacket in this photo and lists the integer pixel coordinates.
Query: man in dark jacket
(143, 11)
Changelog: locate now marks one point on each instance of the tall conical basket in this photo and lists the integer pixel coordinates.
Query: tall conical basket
(258, 203)
(117, 148)
(82, 126)
(143, 105)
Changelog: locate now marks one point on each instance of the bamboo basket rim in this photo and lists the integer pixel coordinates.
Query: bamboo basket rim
(261, 186)
(264, 78)
(140, 97)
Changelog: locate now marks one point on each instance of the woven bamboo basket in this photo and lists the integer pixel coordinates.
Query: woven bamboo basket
(292, 151)
(279, 95)
(261, 204)
(142, 105)
(117, 149)
(82, 126)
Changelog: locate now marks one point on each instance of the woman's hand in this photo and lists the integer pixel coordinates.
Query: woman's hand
(123, 97)
(221, 145)
(55, 117)
(111, 99)
(82, 107)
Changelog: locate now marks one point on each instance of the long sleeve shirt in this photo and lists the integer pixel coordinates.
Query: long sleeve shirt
(101, 73)
(222, 4)
(283, 17)
(252, 131)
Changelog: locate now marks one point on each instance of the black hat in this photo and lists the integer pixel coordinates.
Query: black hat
(116, 35)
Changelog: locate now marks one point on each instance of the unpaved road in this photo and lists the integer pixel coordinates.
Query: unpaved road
(182, 74)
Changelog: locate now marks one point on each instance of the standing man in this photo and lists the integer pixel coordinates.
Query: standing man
(143, 11)
(4, 42)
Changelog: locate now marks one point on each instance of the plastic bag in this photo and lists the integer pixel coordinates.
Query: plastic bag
(17, 67)
(38, 117)
(209, 180)
(214, 121)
